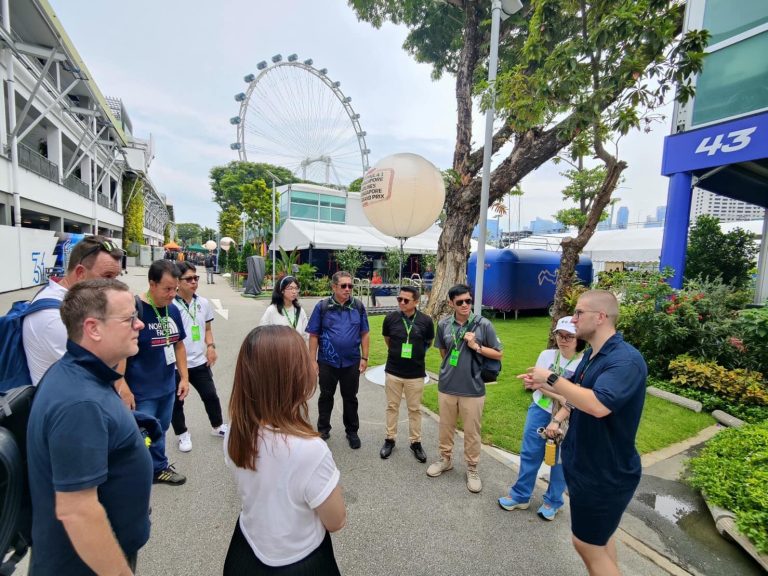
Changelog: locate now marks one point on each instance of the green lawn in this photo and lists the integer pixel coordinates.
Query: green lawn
(507, 402)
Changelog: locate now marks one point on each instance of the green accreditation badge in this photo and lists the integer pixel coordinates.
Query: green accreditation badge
(195, 333)
(454, 359)
(406, 351)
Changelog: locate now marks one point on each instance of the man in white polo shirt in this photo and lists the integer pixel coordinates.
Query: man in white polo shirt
(43, 332)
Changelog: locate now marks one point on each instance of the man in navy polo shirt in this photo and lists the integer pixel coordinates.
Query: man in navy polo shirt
(90, 474)
(601, 465)
(338, 330)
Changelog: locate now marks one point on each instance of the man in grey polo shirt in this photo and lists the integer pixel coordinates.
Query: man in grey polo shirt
(463, 341)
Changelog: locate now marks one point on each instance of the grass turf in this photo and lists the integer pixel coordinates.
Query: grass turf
(506, 403)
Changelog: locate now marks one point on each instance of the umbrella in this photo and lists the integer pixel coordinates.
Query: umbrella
(196, 248)
(171, 246)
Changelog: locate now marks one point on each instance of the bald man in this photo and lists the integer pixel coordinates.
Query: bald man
(601, 465)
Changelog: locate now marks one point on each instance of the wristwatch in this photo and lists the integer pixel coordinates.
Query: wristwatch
(552, 378)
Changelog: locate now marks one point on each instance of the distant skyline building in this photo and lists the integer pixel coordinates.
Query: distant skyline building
(622, 217)
(723, 208)
(661, 213)
(542, 226)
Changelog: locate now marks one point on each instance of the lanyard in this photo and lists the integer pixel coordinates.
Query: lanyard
(459, 337)
(163, 321)
(295, 320)
(561, 370)
(190, 310)
(408, 327)
(583, 372)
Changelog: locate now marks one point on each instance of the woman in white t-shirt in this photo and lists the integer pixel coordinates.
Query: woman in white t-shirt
(563, 360)
(285, 474)
(285, 309)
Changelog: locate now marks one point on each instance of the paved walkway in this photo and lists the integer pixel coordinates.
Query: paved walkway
(400, 522)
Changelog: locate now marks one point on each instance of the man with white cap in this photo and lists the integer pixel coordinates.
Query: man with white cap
(562, 360)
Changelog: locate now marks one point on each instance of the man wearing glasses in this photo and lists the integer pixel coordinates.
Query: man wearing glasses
(43, 332)
(90, 473)
(408, 335)
(601, 465)
(463, 341)
(197, 315)
(338, 340)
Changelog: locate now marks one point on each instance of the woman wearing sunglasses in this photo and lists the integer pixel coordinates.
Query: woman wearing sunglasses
(562, 360)
(285, 309)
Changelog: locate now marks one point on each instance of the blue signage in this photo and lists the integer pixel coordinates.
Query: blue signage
(726, 143)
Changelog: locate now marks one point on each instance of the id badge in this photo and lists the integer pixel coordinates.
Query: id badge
(454, 359)
(170, 355)
(195, 333)
(406, 351)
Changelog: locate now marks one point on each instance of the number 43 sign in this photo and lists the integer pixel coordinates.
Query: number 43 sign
(734, 141)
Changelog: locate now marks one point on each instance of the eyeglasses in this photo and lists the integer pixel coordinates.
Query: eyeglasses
(467, 301)
(191, 279)
(106, 246)
(577, 313)
(566, 337)
(345, 286)
(132, 319)
(403, 300)
(292, 288)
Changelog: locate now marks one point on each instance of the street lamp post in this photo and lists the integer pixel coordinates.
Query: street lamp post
(243, 217)
(508, 7)
(274, 235)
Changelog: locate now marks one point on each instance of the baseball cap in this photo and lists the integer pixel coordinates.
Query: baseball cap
(565, 325)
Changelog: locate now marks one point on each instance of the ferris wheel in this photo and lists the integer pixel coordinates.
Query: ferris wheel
(293, 115)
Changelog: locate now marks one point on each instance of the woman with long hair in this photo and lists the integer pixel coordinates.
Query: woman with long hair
(285, 474)
(549, 412)
(285, 309)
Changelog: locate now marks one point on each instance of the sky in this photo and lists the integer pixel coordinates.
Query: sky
(178, 64)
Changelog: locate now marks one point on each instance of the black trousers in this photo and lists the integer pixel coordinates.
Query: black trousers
(241, 560)
(201, 379)
(349, 381)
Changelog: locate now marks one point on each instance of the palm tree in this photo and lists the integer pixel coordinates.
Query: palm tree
(500, 209)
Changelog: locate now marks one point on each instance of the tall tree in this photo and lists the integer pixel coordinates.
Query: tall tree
(230, 223)
(189, 232)
(712, 252)
(565, 66)
(227, 181)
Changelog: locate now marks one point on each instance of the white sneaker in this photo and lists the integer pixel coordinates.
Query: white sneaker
(473, 481)
(220, 431)
(185, 442)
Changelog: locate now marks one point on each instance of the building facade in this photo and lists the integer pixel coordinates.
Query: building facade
(723, 208)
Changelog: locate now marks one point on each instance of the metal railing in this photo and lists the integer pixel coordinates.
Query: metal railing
(77, 186)
(38, 163)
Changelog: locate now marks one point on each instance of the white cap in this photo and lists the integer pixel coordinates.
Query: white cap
(565, 325)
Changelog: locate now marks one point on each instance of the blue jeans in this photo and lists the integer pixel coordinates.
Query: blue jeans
(162, 409)
(531, 457)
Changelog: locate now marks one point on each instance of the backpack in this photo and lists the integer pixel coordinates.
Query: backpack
(14, 371)
(327, 303)
(15, 501)
(209, 263)
(489, 369)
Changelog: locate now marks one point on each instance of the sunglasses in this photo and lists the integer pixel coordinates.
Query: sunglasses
(403, 300)
(467, 301)
(106, 246)
(345, 286)
(190, 279)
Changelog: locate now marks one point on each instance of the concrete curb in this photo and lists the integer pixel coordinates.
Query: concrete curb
(674, 449)
(725, 522)
(675, 399)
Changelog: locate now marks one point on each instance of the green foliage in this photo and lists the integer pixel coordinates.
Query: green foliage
(223, 261)
(190, 233)
(167, 233)
(248, 250)
(713, 253)
(711, 401)
(227, 181)
(230, 223)
(732, 471)
(427, 262)
(356, 185)
(207, 234)
(233, 259)
(739, 385)
(392, 264)
(306, 279)
(133, 211)
(350, 259)
(284, 265)
(584, 184)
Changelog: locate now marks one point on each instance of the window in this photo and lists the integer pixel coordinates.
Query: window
(318, 207)
(724, 21)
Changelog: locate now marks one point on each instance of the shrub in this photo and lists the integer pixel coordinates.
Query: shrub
(732, 471)
(710, 401)
(350, 259)
(739, 385)
(750, 339)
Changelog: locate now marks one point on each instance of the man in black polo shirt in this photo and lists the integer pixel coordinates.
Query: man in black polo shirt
(600, 462)
(408, 335)
(90, 473)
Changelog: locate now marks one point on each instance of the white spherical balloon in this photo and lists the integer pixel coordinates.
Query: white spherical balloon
(210, 245)
(402, 195)
(225, 243)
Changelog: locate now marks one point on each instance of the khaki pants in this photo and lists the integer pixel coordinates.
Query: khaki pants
(470, 408)
(413, 387)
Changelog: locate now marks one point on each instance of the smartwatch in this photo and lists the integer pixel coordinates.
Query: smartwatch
(552, 378)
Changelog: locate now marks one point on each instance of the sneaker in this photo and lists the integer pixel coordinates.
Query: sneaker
(418, 452)
(220, 431)
(439, 467)
(169, 476)
(354, 440)
(508, 503)
(546, 512)
(185, 442)
(325, 435)
(386, 450)
(473, 481)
